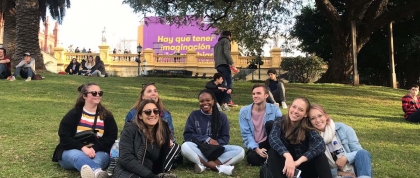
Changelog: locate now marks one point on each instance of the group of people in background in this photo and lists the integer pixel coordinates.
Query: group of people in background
(87, 67)
(77, 50)
(25, 68)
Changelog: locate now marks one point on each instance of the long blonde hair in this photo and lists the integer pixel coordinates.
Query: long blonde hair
(298, 136)
(322, 110)
(158, 133)
(92, 63)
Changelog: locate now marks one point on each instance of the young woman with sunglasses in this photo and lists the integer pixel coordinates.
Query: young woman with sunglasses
(90, 159)
(346, 156)
(146, 148)
(295, 144)
(209, 126)
(149, 91)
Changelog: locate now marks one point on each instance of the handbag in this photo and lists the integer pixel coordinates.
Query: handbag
(88, 136)
(211, 152)
(265, 171)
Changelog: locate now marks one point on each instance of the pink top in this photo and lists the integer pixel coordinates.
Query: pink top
(258, 121)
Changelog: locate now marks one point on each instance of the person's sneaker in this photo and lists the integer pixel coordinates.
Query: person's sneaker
(283, 105)
(99, 173)
(218, 107)
(28, 79)
(232, 104)
(87, 172)
(12, 79)
(9, 77)
(199, 168)
(225, 169)
(225, 107)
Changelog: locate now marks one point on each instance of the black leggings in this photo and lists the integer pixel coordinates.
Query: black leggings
(317, 167)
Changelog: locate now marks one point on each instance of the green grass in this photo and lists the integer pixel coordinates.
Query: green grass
(31, 112)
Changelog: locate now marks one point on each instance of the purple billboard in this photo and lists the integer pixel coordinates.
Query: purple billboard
(169, 39)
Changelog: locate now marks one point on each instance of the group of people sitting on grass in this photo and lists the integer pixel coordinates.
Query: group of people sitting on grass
(306, 138)
(25, 68)
(87, 68)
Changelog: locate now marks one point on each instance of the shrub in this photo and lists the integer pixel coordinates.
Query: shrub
(303, 69)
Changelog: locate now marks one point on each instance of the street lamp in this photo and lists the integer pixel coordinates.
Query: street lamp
(139, 48)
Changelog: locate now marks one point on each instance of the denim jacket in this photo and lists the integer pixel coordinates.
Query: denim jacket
(247, 127)
(349, 140)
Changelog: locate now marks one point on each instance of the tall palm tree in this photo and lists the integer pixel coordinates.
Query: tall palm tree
(25, 22)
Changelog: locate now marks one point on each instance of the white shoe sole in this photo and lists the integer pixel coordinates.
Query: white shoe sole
(86, 172)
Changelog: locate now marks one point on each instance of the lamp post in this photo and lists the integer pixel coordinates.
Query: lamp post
(139, 48)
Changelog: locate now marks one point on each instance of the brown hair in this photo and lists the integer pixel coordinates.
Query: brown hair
(261, 85)
(296, 137)
(91, 63)
(140, 99)
(80, 102)
(157, 134)
(322, 110)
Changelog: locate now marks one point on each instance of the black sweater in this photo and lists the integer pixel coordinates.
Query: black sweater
(68, 128)
(132, 153)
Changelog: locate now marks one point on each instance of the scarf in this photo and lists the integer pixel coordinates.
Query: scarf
(330, 137)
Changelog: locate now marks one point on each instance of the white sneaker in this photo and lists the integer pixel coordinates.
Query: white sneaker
(199, 168)
(218, 107)
(225, 107)
(225, 169)
(12, 79)
(99, 173)
(28, 79)
(87, 172)
(283, 105)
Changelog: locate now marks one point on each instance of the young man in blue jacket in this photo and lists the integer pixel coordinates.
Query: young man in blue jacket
(256, 121)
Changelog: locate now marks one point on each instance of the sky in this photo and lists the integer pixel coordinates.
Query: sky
(85, 20)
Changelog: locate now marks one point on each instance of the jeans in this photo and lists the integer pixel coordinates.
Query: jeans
(24, 72)
(227, 77)
(221, 97)
(3, 68)
(96, 72)
(415, 117)
(75, 159)
(232, 153)
(363, 164)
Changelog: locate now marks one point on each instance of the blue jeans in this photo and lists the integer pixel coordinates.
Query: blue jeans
(227, 77)
(24, 72)
(363, 164)
(75, 159)
(2, 68)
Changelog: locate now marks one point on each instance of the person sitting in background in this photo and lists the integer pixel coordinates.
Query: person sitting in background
(73, 67)
(216, 85)
(5, 70)
(87, 66)
(277, 90)
(146, 148)
(25, 68)
(411, 104)
(209, 126)
(346, 156)
(255, 123)
(98, 69)
(90, 159)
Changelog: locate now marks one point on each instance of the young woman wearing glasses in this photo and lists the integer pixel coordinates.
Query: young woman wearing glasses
(146, 148)
(88, 158)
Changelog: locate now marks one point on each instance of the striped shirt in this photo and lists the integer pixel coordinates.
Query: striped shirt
(87, 120)
(408, 106)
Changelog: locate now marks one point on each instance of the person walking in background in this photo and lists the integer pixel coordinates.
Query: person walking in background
(205, 127)
(277, 90)
(346, 156)
(255, 122)
(411, 104)
(216, 85)
(25, 68)
(223, 62)
(89, 158)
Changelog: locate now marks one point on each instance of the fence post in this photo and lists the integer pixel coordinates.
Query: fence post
(275, 54)
(59, 53)
(104, 52)
(149, 56)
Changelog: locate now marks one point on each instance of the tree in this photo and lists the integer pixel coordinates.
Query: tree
(369, 16)
(250, 21)
(22, 25)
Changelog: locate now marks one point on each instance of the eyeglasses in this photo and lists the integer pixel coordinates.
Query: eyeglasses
(316, 117)
(95, 93)
(148, 112)
(146, 84)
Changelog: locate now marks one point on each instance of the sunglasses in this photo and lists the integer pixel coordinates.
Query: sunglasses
(148, 112)
(146, 84)
(95, 93)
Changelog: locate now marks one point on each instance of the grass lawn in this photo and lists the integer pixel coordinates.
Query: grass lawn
(31, 112)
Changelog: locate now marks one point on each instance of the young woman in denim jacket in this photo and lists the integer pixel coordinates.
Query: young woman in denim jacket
(345, 155)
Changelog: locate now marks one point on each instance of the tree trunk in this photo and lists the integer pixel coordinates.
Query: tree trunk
(341, 65)
(9, 35)
(27, 28)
